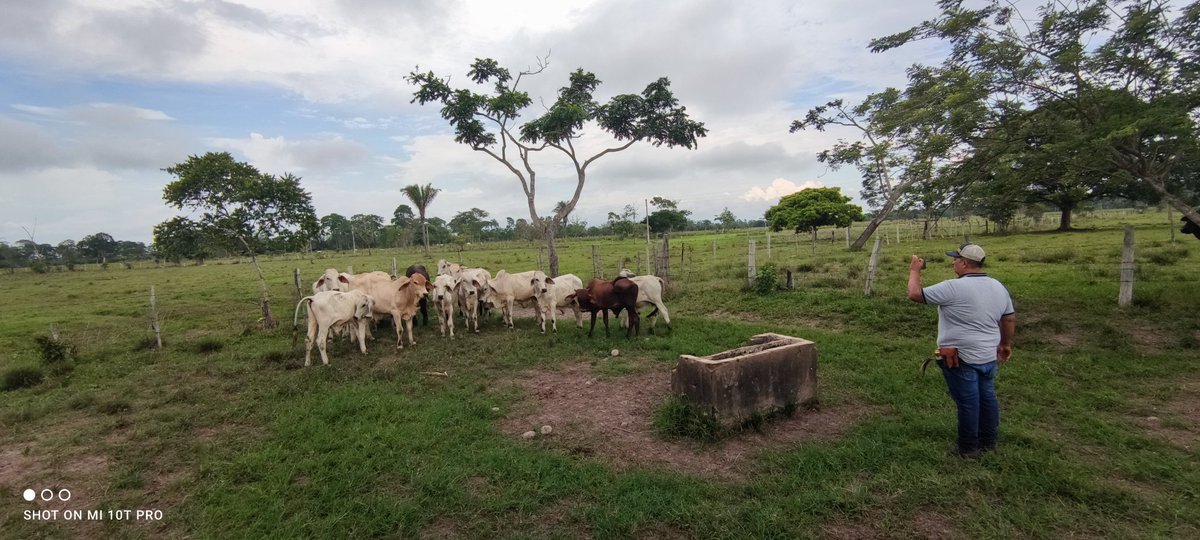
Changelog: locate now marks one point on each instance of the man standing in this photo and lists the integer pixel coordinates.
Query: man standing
(976, 323)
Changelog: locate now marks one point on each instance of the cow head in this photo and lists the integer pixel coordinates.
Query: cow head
(1189, 227)
(417, 284)
(364, 307)
(491, 296)
(626, 273)
(331, 281)
(443, 287)
(540, 283)
(581, 297)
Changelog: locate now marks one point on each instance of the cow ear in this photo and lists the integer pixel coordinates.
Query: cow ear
(343, 279)
(475, 282)
(549, 281)
(321, 281)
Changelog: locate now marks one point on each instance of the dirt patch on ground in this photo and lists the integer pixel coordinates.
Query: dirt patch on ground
(82, 476)
(611, 419)
(1175, 420)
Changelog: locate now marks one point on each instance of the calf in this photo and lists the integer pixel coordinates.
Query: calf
(553, 293)
(469, 293)
(398, 298)
(1190, 227)
(408, 273)
(650, 290)
(331, 309)
(443, 295)
(448, 268)
(506, 289)
(619, 294)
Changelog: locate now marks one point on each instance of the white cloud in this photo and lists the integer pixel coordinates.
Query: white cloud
(277, 155)
(779, 187)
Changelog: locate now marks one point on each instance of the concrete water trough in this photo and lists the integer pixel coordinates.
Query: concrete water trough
(772, 373)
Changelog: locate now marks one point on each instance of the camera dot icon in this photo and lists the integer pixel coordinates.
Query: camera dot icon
(30, 495)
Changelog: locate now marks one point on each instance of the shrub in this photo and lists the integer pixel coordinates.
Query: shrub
(1169, 256)
(39, 267)
(54, 351)
(768, 279)
(21, 377)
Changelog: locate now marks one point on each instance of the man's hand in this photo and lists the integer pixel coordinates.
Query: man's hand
(1003, 352)
(917, 264)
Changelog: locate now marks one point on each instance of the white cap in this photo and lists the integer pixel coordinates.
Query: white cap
(969, 251)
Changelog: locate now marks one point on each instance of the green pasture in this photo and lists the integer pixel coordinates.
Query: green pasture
(230, 437)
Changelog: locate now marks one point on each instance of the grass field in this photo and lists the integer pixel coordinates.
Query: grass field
(227, 435)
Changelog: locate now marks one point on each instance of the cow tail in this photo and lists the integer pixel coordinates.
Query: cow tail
(296, 316)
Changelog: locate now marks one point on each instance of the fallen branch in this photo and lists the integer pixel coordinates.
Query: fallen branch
(436, 373)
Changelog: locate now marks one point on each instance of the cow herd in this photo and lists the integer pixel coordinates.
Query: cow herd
(344, 303)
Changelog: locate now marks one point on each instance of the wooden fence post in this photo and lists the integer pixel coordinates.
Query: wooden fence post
(394, 274)
(751, 271)
(296, 281)
(1127, 270)
(597, 264)
(1171, 223)
(872, 266)
(154, 320)
(768, 245)
(847, 237)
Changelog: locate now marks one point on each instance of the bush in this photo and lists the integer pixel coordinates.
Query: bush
(768, 279)
(53, 351)
(21, 377)
(39, 267)
(1169, 256)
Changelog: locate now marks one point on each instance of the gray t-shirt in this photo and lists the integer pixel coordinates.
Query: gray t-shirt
(969, 311)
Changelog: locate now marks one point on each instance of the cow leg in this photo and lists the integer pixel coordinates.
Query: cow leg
(578, 315)
(655, 319)
(399, 323)
(442, 321)
(553, 318)
(606, 322)
(508, 313)
(412, 340)
(322, 337)
(593, 328)
(666, 317)
(635, 325)
(309, 340)
(362, 333)
(425, 311)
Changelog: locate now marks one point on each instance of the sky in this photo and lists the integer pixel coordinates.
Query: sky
(98, 97)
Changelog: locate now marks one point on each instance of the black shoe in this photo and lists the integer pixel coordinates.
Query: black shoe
(973, 454)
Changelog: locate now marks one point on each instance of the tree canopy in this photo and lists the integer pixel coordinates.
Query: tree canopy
(810, 209)
(489, 122)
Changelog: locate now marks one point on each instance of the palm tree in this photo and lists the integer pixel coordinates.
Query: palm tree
(421, 196)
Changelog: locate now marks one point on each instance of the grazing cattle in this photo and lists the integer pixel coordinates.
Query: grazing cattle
(619, 294)
(448, 268)
(332, 281)
(398, 298)
(553, 293)
(331, 309)
(420, 269)
(443, 296)
(469, 292)
(1190, 227)
(506, 289)
(650, 290)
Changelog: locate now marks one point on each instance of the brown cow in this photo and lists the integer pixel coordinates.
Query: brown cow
(619, 294)
(398, 298)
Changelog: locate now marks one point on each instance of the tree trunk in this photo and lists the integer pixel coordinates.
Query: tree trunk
(268, 321)
(551, 249)
(881, 215)
(1185, 209)
(1064, 219)
(425, 234)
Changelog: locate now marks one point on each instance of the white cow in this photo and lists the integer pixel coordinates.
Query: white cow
(443, 298)
(469, 292)
(553, 293)
(331, 309)
(448, 268)
(332, 281)
(506, 289)
(650, 289)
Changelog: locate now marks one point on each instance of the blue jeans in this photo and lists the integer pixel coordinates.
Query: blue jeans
(973, 388)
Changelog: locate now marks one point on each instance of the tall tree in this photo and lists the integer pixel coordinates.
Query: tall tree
(470, 223)
(366, 228)
(726, 219)
(243, 207)
(337, 231)
(421, 197)
(487, 122)
(180, 238)
(98, 247)
(1128, 70)
(810, 209)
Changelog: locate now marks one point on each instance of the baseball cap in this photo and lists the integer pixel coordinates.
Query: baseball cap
(968, 251)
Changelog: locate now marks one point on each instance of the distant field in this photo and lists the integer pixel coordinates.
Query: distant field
(227, 435)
